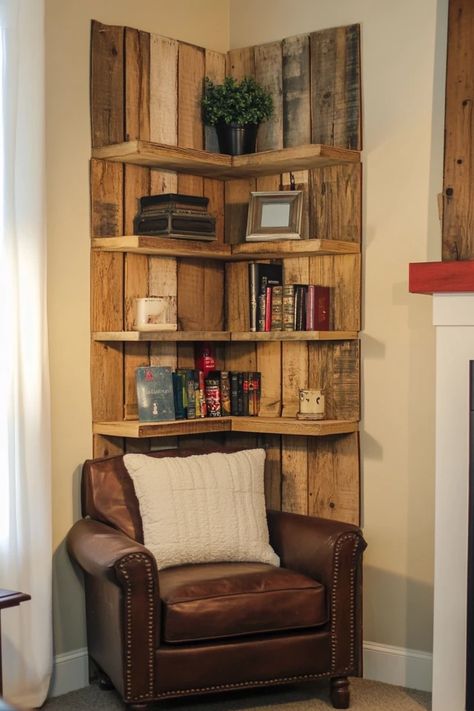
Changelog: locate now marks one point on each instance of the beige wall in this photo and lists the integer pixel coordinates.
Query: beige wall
(403, 79)
(203, 22)
(403, 51)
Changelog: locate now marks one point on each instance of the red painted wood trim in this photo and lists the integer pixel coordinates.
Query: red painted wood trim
(441, 277)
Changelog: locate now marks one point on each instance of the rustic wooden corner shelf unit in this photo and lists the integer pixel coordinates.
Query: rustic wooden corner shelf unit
(148, 138)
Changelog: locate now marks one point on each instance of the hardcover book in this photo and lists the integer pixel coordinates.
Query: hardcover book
(321, 308)
(277, 308)
(225, 393)
(234, 393)
(213, 394)
(155, 393)
(300, 307)
(179, 391)
(310, 307)
(288, 307)
(261, 276)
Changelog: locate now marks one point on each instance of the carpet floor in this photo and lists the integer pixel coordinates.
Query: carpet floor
(365, 696)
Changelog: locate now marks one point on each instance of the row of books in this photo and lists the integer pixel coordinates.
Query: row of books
(275, 306)
(189, 394)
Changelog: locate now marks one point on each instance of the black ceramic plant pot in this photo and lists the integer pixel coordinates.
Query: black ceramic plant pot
(236, 140)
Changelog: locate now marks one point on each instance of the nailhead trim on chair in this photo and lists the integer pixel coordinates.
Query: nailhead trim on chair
(339, 545)
(128, 626)
(242, 684)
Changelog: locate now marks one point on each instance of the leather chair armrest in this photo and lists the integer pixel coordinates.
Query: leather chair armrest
(100, 549)
(329, 552)
(311, 545)
(122, 598)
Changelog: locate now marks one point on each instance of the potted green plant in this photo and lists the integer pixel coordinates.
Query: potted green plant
(236, 109)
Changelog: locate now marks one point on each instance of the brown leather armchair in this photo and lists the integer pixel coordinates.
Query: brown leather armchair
(207, 628)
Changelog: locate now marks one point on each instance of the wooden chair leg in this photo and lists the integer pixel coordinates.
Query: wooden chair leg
(104, 682)
(340, 695)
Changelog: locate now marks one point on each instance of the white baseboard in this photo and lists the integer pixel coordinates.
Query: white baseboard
(70, 672)
(398, 666)
(392, 665)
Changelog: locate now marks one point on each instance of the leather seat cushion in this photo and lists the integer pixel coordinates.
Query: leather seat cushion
(216, 600)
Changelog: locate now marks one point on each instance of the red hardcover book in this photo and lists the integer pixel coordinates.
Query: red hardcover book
(321, 308)
(268, 308)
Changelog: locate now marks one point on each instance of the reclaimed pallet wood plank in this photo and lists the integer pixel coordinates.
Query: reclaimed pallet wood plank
(458, 184)
(137, 85)
(335, 369)
(107, 116)
(136, 355)
(272, 476)
(237, 195)
(163, 271)
(240, 63)
(268, 73)
(107, 396)
(335, 208)
(333, 486)
(294, 473)
(296, 107)
(215, 70)
(191, 62)
(335, 86)
(163, 90)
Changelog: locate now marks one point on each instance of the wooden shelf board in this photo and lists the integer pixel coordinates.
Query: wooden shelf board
(195, 249)
(158, 155)
(162, 247)
(217, 165)
(293, 335)
(161, 336)
(292, 248)
(170, 428)
(263, 425)
(305, 157)
(292, 426)
(136, 336)
(441, 277)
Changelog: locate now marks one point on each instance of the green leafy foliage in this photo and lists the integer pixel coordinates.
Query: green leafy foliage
(235, 102)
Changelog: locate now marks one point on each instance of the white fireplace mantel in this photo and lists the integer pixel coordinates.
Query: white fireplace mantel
(453, 317)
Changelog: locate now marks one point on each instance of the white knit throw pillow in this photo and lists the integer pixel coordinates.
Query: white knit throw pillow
(203, 508)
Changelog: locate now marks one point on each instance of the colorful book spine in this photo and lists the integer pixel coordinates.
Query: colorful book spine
(258, 391)
(191, 394)
(178, 390)
(288, 307)
(277, 308)
(262, 301)
(213, 394)
(199, 394)
(300, 309)
(253, 291)
(321, 308)
(245, 394)
(234, 393)
(225, 393)
(240, 393)
(251, 396)
(268, 308)
(310, 307)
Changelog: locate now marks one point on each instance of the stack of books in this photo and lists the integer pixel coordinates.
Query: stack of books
(275, 306)
(188, 394)
(175, 215)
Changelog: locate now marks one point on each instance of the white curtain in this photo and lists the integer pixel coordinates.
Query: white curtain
(25, 496)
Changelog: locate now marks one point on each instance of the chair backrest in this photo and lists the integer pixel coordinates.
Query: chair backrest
(108, 494)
